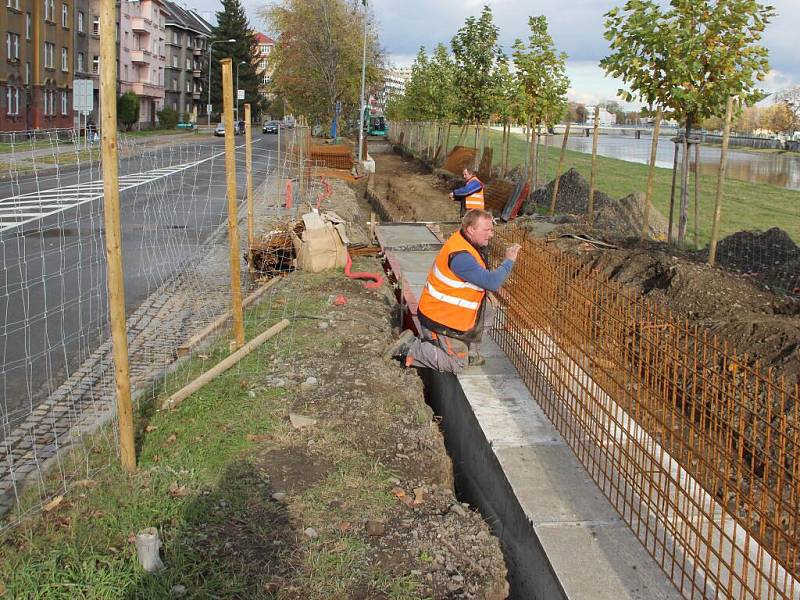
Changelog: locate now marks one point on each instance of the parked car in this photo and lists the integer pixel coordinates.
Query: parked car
(220, 130)
(185, 125)
(271, 126)
(238, 128)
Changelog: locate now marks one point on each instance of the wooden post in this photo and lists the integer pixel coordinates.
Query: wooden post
(672, 192)
(233, 212)
(558, 170)
(723, 162)
(697, 195)
(116, 281)
(278, 170)
(593, 178)
(651, 172)
(248, 157)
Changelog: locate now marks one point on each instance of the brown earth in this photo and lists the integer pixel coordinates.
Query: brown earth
(412, 192)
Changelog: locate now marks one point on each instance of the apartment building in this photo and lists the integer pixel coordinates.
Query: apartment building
(187, 36)
(264, 69)
(36, 75)
(142, 55)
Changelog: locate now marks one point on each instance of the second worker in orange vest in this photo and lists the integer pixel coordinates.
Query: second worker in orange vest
(470, 195)
(450, 307)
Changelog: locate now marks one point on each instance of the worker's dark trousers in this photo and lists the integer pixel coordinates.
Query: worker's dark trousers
(436, 351)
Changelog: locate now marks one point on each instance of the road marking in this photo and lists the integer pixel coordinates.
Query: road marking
(55, 200)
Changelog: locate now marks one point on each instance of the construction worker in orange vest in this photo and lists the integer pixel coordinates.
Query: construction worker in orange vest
(451, 306)
(470, 195)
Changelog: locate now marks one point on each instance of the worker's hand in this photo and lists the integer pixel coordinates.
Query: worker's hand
(512, 251)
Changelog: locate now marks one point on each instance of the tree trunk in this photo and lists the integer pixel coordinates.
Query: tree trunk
(546, 153)
(461, 134)
(683, 217)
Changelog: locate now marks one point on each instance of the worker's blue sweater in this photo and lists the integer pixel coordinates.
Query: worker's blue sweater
(472, 186)
(467, 268)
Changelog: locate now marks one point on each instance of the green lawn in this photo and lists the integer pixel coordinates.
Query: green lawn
(745, 206)
(202, 481)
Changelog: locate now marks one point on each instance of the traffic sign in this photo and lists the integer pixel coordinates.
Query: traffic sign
(82, 95)
(240, 95)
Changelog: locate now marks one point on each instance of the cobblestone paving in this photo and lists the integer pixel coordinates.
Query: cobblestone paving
(180, 308)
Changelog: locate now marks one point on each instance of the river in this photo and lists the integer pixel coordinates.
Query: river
(781, 170)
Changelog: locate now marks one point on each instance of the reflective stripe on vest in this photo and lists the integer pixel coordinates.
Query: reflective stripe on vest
(475, 201)
(447, 299)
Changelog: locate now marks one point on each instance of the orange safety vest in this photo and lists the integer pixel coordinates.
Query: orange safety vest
(475, 200)
(446, 298)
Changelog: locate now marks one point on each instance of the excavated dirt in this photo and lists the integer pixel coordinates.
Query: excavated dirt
(410, 190)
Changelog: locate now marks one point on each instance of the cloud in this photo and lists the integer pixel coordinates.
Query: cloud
(405, 25)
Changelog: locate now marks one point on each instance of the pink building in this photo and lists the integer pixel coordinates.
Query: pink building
(142, 55)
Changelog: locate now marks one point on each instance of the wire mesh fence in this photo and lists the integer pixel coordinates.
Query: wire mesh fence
(56, 370)
(760, 226)
(693, 443)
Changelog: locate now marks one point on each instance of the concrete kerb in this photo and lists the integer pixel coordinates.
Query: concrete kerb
(89, 376)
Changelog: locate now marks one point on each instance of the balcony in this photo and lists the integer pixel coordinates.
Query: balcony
(147, 90)
(199, 52)
(196, 96)
(140, 57)
(197, 73)
(141, 25)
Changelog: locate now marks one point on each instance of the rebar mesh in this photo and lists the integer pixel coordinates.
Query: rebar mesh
(694, 445)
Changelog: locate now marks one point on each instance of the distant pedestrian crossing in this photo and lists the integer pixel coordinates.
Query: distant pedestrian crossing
(16, 211)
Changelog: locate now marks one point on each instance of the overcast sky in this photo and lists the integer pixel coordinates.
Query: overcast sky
(576, 27)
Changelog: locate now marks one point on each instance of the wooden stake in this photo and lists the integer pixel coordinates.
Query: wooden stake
(651, 172)
(186, 347)
(278, 170)
(233, 212)
(558, 170)
(248, 149)
(723, 162)
(223, 366)
(697, 195)
(672, 193)
(116, 281)
(593, 178)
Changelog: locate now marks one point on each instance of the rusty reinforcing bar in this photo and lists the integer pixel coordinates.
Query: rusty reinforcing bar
(694, 444)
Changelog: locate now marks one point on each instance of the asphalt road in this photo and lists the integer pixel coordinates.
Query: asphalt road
(53, 303)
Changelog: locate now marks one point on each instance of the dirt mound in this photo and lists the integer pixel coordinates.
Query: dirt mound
(622, 217)
(770, 255)
(459, 157)
(332, 156)
(765, 325)
(409, 191)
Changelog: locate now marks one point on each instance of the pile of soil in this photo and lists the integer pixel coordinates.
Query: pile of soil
(410, 191)
(772, 256)
(754, 320)
(623, 217)
(459, 157)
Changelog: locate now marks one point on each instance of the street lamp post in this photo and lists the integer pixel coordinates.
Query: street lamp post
(363, 78)
(241, 62)
(208, 106)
